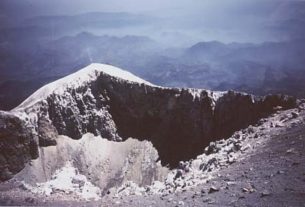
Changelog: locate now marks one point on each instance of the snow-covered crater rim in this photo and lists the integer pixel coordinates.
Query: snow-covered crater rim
(83, 76)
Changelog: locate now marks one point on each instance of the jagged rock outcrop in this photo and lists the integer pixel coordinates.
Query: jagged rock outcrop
(116, 105)
(17, 145)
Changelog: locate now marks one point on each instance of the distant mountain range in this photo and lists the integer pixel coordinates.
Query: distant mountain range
(256, 68)
(45, 48)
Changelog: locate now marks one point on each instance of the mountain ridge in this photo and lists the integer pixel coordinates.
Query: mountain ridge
(115, 105)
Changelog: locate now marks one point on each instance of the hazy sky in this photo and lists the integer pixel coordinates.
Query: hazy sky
(48, 7)
(225, 20)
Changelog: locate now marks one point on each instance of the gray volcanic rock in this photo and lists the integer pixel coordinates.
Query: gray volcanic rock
(47, 133)
(107, 101)
(235, 110)
(83, 113)
(17, 145)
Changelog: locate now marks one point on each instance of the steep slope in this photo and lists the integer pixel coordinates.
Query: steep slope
(115, 105)
(267, 170)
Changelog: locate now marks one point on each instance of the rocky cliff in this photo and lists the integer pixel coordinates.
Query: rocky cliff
(115, 105)
(17, 145)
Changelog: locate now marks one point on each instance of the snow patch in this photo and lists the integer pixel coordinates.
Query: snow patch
(196, 93)
(69, 181)
(215, 95)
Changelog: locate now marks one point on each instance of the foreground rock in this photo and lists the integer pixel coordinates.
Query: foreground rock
(103, 163)
(17, 145)
(263, 174)
(268, 171)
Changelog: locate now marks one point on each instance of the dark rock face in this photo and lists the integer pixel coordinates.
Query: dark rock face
(82, 112)
(176, 124)
(179, 124)
(235, 111)
(46, 132)
(17, 145)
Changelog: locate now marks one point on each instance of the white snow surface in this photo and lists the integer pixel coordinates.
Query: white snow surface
(67, 180)
(79, 78)
(214, 95)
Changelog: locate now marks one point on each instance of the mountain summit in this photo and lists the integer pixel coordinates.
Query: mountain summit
(78, 79)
